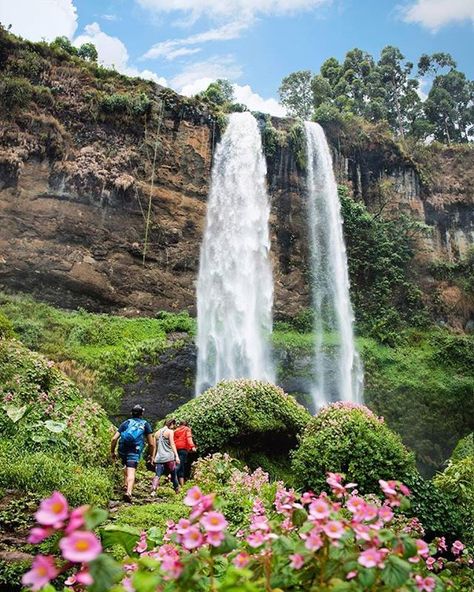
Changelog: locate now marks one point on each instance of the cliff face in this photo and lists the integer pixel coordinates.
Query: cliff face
(75, 191)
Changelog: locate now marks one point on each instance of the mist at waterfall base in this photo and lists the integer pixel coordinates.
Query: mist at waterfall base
(337, 367)
(235, 284)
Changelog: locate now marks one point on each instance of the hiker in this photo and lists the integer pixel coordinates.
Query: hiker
(131, 435)
(183, 438)
(166, 457)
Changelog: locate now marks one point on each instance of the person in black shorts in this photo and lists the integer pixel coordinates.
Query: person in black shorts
(131, 436)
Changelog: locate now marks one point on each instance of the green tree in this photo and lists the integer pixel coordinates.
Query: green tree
(88, 52)
(450, 107)
(64, 44)
(219, 92)
(430, 64)
(296, 94)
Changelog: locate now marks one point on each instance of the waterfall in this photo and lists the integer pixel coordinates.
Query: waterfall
(235, 284)
(338, 369)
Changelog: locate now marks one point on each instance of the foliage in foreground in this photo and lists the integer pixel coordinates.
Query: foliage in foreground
(340, 543)
(348, 438)
(247, 415)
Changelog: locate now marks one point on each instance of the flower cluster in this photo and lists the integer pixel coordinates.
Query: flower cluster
(78, 546)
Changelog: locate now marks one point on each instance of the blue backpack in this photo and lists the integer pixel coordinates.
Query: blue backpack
(132, 437)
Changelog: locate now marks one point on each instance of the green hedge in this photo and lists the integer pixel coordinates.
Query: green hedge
(349, 439)
(244, 415)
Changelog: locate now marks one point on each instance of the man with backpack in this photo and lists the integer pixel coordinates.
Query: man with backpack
(131, 436)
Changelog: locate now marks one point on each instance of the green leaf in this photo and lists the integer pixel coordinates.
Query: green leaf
(55, 426)
(106, 572)
(15, 413)
(155, 535)
(125, 536)
(94, 517)
(39, 438)
(396, 572)
(228, 544)
(299, 517)
(146, 581)
(367, 577)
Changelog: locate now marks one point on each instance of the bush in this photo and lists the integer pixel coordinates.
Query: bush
(15, 93)
(350, 439)
(151, 515)
(464, 448)
(457, 480)
(6, 327)
(126, 104)
(244, 416)
(297, 143)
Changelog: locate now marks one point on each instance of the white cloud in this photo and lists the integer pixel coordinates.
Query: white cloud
(197, 76)
(173, 48)
(434, 14)
(227, 9)
(113, 53)
(39, 19)
(244, 94)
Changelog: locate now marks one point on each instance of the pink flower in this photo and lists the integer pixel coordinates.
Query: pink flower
(38, 534)
(214, 522)
(355, 503)
(425, 584)
(76, 519)
(422, 548)
(214, 537)
(205, 503)
(142, 544)
(334, 480)
(42, 571)
(307, 497)
(430, 563)
(297, 561)
(193, 496)
(81, 577)
(388, 487)
(127, 585)
(362, 531)
(350, 575)
(442, 544)
(192, 538)
(241, 560)
(313, 541)
(183, 525)
(319, 509)
(334, 529)
(366, 512)
(53, 510)
(457, 548)
(173, 567)
(385, 513)
(259, 523)
(371, 558)
(256, 539)
(80, 547)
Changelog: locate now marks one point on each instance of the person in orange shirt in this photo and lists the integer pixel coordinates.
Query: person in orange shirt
(183, 439)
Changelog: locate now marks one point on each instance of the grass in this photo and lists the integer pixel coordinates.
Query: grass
(100, 352)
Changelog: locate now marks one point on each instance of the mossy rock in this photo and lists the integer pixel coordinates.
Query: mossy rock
(244, 417)
(348, 438)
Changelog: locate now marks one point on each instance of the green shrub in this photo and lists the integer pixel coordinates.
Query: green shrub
(43, 473)
(43, 96)
(15, 93)
(464, 448)
(244, 416)
(6, 327)
(458, 480)
(297, 143)
(126, 104)
(349, 439)
(176, 322)
(151, 515)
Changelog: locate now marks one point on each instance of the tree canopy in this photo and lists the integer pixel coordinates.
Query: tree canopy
(387, 89)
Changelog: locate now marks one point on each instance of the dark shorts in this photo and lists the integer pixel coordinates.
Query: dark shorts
(183, 460)
(168, 468)
(129, 460)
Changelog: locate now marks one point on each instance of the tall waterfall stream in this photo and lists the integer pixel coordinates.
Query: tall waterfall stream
(337, 366)
(235, 284)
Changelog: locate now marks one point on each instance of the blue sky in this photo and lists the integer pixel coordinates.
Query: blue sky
(188, 43)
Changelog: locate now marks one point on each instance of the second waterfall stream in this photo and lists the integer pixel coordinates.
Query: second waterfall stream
(235, 284)
(337, 366)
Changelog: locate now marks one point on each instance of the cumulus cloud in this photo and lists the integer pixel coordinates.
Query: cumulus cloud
(434, 14)
(197, 76)
(113, 53)
(244, 94)
(39, 19)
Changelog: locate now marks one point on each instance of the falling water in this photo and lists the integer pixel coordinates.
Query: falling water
(235, 285)
(338, 369)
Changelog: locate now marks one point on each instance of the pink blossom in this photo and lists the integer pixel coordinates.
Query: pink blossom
(307, 497)
(205, 503)
(385, 513)
(425, 584)
(82, 577)
(53, 510)
(350, 575)
(371, 558)
(76, 519)
(334, 480)
(334, 529)
(38, 534)
(313, 540)
(42, 571)
(80, 547)
(193, 496)
(319, 509)
(214, 537)
(362, 531)
(388, 487)
(287, 525)
(366, 513)
(127, 585)
(142, 544)
(256, 539)
(442, 544)
(192, 538)
(297, 561)
(422, 548)
(173, 567)
(457, 548)
(241, 560)
(214, 522)
(259, 523)
(430, 563)
(355, 503)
